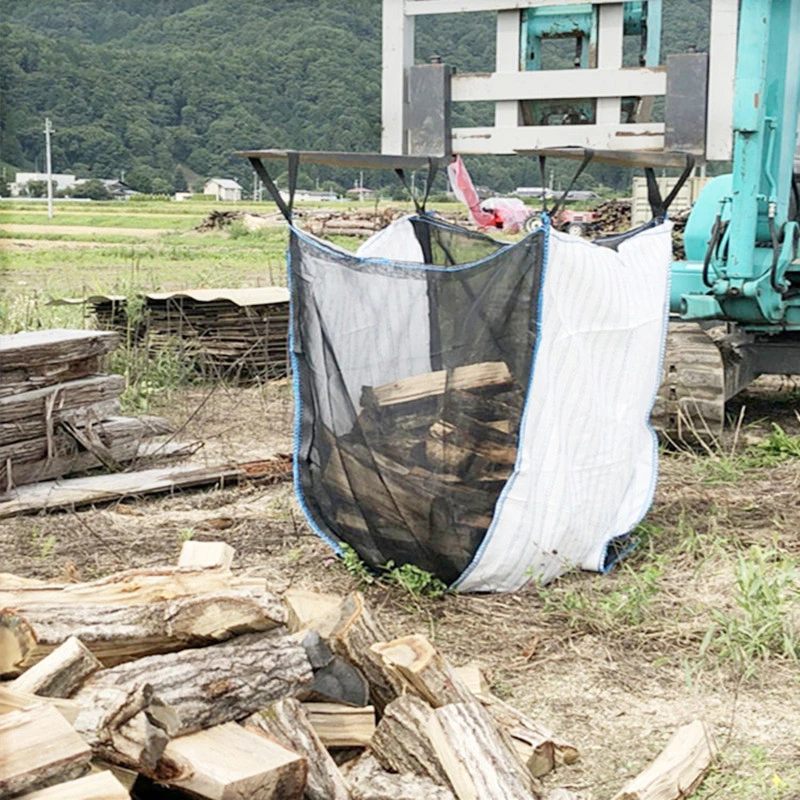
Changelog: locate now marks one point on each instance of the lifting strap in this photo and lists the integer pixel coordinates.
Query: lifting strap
(588, 155)
(433, 166)
(659, 207)
(285, 208)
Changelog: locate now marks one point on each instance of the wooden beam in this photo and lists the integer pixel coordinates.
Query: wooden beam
(421, 7)
(39, 747)
(508, 141)
(566, 83)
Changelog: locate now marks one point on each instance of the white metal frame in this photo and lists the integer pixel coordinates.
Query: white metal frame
(507, 85)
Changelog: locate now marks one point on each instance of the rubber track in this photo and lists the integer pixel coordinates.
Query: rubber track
(691, 399)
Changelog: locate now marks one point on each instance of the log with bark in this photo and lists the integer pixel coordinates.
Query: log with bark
(61, 672)
(116, 633)
(367, 780)
(353, 631)
(479, 762)
(198, 688)
(39, 747)
(288, 722)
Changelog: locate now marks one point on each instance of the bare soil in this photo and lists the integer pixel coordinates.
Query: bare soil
(615, 685)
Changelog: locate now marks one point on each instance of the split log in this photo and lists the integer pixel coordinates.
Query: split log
(538, 747)
(125, 725)
(474, 679)
(353, 632)
(97, 786)
(128, 587)
(14, 700)
(415, 663)
(678, 770)
(39, 748)
(401, 742)
(117, 633)
(217, 555)
(338, 725)
(479, 763)
(227, 762)
(368, 781)
(493, 375)
(288, 722)
(206, 686)
(305, 609)
(61, 672)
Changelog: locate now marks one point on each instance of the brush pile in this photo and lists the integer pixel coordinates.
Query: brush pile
(60, 414)
(212, 685)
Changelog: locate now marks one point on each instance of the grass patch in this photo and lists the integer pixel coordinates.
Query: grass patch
(764, 624)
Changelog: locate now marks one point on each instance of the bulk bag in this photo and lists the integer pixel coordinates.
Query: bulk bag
(479, 409)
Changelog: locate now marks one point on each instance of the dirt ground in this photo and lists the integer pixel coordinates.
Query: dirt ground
(615, 684)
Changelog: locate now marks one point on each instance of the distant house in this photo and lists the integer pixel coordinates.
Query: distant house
(22, 179)
(361, 192)
(305, 196)
(223, 189)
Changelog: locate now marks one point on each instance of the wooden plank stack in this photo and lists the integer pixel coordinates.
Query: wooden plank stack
(239, 335)
(214, 686)
(426, 458)
(59, 413)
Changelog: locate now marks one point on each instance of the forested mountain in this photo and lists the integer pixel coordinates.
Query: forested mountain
(165, 89)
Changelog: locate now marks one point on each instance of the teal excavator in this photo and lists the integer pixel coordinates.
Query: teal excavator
(735, 299)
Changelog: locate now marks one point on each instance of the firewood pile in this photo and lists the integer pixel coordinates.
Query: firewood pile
(613, 216)
(212, 685)
(60, 414)
(436, 458)
(360, 222)
(237, 334)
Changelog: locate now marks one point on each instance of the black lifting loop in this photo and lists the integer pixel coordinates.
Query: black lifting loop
(433, 166)
(543, 179)
(588, 155)
(687, 171)
(262, 173)
(657, 208)
(402, 175)
(293, 158)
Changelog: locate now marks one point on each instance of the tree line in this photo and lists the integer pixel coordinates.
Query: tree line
(162, 92)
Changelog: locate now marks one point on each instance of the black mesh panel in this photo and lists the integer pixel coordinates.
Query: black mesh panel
(412, 382)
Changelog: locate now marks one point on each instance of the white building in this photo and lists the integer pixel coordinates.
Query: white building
(223, 189)
(22, 179)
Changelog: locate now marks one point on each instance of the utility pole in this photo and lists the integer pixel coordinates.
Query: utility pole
(48, 129)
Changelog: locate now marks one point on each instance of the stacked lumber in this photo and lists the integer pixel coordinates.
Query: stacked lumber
(59, 414)
(236, 334)
(426, 459)
(208, 683)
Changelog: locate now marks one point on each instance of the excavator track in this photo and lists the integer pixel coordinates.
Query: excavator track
(693, 391)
